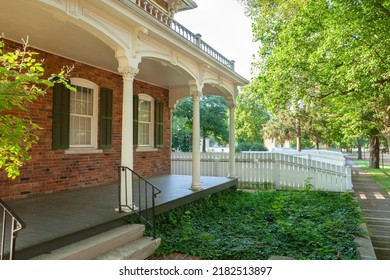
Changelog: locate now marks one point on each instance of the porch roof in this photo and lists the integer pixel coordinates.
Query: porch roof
(59, 219)
(70, 31)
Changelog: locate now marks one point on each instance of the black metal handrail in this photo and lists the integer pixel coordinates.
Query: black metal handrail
(167, 20)
(143, 196)
(11, 224)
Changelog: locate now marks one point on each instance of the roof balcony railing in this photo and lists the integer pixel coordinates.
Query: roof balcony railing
(195, 39)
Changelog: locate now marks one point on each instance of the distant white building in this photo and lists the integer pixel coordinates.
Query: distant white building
(270, 144)
(213, 147)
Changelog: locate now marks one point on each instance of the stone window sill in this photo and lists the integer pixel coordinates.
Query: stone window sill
(146, 149)
(73, 151)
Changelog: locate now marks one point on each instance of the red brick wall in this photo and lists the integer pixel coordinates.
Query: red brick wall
(52, 170)
(155, 162)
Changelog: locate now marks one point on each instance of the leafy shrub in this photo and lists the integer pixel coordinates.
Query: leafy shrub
(244, 146)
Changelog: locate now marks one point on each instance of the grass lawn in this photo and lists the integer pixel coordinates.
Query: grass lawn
(253, 226)
(381, 176)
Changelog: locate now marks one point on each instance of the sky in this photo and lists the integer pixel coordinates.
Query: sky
(225, 27)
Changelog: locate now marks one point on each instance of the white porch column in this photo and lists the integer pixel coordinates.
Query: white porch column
(232, 141)
(196, 94)
(127, 132)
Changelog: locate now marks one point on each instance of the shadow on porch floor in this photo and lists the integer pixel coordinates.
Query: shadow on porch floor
(59, 219)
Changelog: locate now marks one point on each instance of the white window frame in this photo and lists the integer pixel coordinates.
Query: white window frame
(150, 147)
(94, 119)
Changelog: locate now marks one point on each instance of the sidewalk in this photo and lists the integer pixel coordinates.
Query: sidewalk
(375, 204)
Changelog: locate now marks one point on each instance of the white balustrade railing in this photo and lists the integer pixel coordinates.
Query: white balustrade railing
(195, 39)
(271, 168)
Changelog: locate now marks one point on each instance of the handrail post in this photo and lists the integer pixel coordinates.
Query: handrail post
(15, 225)
(119, 189)
(143, 205)
(154, 213)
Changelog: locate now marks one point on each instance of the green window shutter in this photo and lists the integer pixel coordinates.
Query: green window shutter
(159, 124)
(106, 96)
(61, 117)
(135, 120)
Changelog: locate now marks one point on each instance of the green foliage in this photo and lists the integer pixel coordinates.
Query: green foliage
(324, 63)
(252, 226)
(181, 134)
(213, 122)
(250, 116)
(21, 83)
(244, 146)
(305, 144)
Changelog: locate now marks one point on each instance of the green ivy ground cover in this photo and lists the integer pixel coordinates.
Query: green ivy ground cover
(253, 226)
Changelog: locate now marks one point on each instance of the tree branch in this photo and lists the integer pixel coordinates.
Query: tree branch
(383, 9)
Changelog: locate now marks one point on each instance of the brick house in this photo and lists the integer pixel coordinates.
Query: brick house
(132, 63)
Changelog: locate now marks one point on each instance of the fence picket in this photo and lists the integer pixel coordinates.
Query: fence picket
(280, 169)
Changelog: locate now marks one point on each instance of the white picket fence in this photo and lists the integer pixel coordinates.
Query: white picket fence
(334, 157)
(271, 168)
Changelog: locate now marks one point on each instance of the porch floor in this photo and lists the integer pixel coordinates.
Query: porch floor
(58, 219)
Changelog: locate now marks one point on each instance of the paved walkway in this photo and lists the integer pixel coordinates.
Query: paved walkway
(375, 204)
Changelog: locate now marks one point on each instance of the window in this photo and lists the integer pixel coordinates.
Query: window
(148, 122)
(145, 123)
(83, 114)
(75, 116)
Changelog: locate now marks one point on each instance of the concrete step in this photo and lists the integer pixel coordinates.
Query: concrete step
(92, 247)
(382, 253)
(51, 243)
(137, 250)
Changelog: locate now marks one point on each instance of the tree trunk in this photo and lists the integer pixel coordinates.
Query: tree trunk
(374, 152)
(204, 145)
(360, 143)
(360, 152)
(299, 139)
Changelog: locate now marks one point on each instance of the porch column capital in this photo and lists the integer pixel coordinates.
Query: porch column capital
(128, 64)
(128, 72)
(196, 94)
(232, 104)
(195, 89)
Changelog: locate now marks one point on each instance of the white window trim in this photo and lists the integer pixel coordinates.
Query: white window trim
(93, 148)
(151, 147)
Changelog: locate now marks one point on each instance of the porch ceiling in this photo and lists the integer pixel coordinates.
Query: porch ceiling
(62, 37)
(54, 35)
(162, 73)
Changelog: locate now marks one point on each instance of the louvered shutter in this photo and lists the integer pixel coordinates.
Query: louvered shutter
(106, 96)
(135, 120)
(159, 124)
(61, 117)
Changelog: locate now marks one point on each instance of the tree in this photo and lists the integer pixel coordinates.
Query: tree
(250, 117)
(181, 134)
(213, 121)
(333, 54)
(21, 83)
(280, 128)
